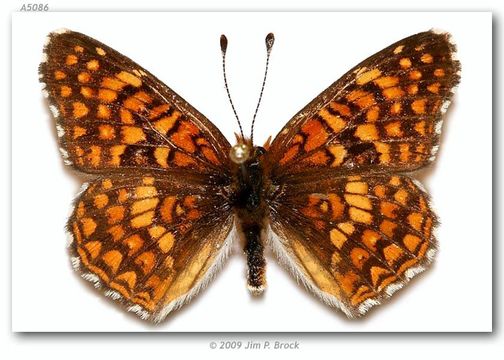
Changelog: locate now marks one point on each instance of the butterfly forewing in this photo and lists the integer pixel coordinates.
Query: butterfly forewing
(113, 115)
(383, 115)
(150, 243)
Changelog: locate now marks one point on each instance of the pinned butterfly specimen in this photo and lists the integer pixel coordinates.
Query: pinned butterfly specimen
(168, 194)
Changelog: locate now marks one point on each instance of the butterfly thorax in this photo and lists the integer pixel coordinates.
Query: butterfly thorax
(248, 201)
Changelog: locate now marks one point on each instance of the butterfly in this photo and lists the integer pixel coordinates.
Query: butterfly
(168, 194)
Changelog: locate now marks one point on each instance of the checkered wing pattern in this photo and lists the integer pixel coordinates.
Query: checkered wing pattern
(113, 115)
(349, 228)
(356, 239)
(385, 114)
(149, 243)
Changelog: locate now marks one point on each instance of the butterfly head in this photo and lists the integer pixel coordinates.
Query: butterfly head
(244, 150)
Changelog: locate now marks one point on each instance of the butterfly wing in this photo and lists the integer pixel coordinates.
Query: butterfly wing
(350, 231)
(149, 243)
(113, 115)
(353, 241)
(384, 114)
(152, 229)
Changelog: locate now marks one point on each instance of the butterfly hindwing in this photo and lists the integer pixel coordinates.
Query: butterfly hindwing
(354, 240)
(149, 243)
(113, 115)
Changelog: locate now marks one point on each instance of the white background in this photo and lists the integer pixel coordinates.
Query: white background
(311, 51)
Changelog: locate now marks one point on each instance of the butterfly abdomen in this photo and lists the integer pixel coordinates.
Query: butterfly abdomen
(251, 214)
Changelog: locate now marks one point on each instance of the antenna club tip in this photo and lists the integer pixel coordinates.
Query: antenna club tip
(270, 40)
(223, 43)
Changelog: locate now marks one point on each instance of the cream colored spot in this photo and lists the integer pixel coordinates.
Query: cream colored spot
(398, 49)
(367, 76)
(148, 180)
(164, 124)
(129, 78)
(161, 155)
(141, 206)
(439, 73)
(100, 51)
(142, 220)
(339, 153)
(145, 191)
(337, 238)
(166, 242)
(334, 121)
(384, 150)
(346, 227)
(359, 201)
(356, 187)
(156, 231)
(360, 215)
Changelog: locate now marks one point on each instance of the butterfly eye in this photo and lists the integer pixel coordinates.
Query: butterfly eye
(239, 153)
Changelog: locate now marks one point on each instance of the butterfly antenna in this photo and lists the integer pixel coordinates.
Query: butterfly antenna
(270, 40)
(223, 45)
